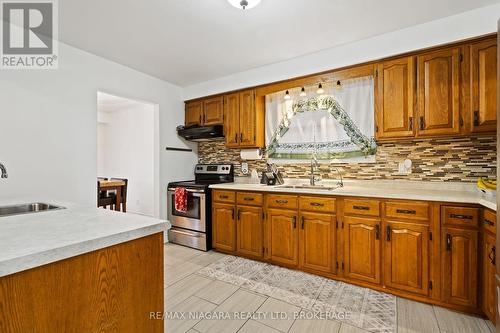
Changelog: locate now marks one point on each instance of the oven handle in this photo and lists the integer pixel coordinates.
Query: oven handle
(197, 235)
(188, 190)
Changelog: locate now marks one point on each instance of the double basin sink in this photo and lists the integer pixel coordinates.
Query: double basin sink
(29, 208)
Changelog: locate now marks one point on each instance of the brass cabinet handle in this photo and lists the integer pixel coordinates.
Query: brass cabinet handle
(448, 242)
(281, 201)
(317, 204)
(241, 137)
(236, 138)
(249, 199)
(406, 211)
(410, 123)
(462, 217)
(238, 215)
(388, 233)
(488, 222)
(361, 207)
(223, 197)
(232, 213)
(294, 222)
(302, 222)
(377, 231)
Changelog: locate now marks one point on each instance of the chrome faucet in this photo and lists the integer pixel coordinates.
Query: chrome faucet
(314, 167)
(4, 171)
(341, 181)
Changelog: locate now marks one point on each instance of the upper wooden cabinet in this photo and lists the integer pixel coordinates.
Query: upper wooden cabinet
(395, 98)
(438, 92)
(205, 112)
(483, 74)
(244, 120)
(213, 111)
(193, 114)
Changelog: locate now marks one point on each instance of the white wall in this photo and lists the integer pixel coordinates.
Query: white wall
(469, 24)
(126, 149)
(48, 126)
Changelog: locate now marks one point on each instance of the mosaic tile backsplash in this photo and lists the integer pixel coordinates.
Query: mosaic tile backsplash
(462, 159)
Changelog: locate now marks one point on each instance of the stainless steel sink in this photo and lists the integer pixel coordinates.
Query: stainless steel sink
(35, 207)
(311, 187)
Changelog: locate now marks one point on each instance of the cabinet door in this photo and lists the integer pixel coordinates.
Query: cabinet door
(283, 236)
(248, 119)
(249, 231)
(488, 283)
(439, 92)
(395, 98)
(232, 119)
(483, 57)
(362, 249)
(459, 248)
(317, 241)
(223, 224)
(406, 257)
(193, 113)
(213, 111)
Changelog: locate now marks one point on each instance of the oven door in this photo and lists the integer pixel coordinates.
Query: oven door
(195, 216)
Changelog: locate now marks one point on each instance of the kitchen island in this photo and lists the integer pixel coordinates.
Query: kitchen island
(80, 269)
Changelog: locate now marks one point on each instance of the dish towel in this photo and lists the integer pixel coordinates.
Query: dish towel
(181, 199)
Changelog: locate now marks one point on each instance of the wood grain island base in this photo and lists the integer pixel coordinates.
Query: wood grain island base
(113, 289)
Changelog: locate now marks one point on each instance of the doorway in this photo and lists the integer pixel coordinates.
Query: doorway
(127, 149)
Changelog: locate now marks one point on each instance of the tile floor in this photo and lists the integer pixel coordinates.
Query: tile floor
(189, 292)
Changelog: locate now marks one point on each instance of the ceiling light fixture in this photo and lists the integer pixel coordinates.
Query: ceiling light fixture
(244, 4)
(320, 89)
(303, 92)
(287, 95)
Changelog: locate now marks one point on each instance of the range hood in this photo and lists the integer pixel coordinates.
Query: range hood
(201, 133)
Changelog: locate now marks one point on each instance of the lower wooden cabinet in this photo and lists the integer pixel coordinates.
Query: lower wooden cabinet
(459, 259)
(362, 249)
(249, 231)
(406, 257)
(489, 298)
(223, 227)
(318, 241)
(283, 237)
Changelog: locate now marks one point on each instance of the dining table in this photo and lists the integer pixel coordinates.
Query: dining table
(113, 184)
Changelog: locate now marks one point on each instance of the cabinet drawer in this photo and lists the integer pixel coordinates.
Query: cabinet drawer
(224, 196)
(490, 221)
(317, 204)
(407, 210)
(248, 198)
(460, 216)
(362, 207)
(282, 201)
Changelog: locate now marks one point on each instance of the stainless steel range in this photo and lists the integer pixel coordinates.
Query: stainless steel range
(193, 228)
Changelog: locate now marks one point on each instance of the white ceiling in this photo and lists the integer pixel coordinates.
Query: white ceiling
(190, 41)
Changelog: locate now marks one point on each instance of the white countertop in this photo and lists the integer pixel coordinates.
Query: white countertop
(391, 189)
(32, 240)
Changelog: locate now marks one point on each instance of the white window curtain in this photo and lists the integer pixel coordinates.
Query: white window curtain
(318, 131)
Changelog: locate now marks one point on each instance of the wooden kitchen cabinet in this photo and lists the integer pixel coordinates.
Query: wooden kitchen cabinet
(318, 241)
(193, 114)
(213, 111)
(395, 98)
(244, 120)
(438, 92)
(459, 260)
(483, 65)
(209, 111)
(232, 120)
(362, 249)
(283, 236)
(223, 227)
(489, 298)
(406, 257)
(249, 232)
